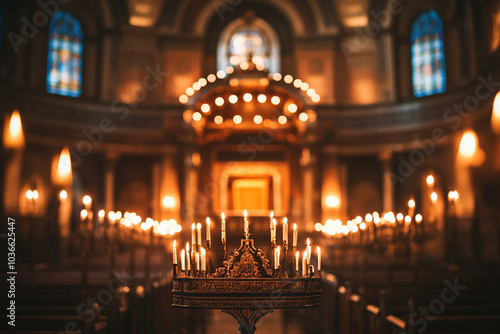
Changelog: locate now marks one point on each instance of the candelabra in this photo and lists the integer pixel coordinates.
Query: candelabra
(245, 286)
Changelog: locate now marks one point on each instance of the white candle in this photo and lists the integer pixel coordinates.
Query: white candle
(193, 236)
(188, 256)
(208, 228)
(197, 257)
(304, 265)
(198, 227)
(308, 249)
(175, 254)
(279, 256)
(319, 259)
(297, 261)
(271, 225)
(203, 260)
(183, 260)
(276, 258)
(245, 227)
(274, 230)
(223, 227)
(295, 234)
(285, 230)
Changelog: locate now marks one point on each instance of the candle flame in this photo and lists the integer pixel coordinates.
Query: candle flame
(294, 226)
(13, 133)
(274, 221)
(272, 214)
(245, 213)
(187, 247)
(198, 226)
(297, 254)
(285, 220)
(223, 216)
(305, 254)
(208, 220)
(319, 250)
(308, 242)
(193, 226)
(175, 242)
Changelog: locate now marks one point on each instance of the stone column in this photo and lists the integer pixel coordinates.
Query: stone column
(388, 191)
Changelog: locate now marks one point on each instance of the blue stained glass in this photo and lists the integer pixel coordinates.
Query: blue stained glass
(64, 65)
(427, 55)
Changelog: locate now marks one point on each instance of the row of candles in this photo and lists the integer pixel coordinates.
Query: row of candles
(194, 256)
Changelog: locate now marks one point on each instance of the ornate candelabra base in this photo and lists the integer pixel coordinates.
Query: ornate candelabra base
(248, 318)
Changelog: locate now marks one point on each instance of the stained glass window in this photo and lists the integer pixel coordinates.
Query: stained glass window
(427, 55)
(247, 43)
(64, 66)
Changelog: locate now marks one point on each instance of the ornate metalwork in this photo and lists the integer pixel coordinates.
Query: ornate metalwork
(247, 288)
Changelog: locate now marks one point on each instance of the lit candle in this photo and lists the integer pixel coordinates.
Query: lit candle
(197, 260)
(175, 254)
(276, 258)
(198, 227)
(304, 265)
(183, 260)
(208, 228)
(273, 239)
(297, 261)
(319, 259)
(285, 230)
(271, 225)
(203, 259)
(295, 235)
(193, 236)
(279, 255)
(188, 257)
(223, 227)
(245, 227)
(308, 251)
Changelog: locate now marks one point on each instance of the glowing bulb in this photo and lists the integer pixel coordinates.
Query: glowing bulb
(63, 194)
(368, 218)
(84, 214)
(311, 92)
(189, 91)
(303, 117)
(418, 218)
(434, 197)
(101, 213)
(244, 65)
(430, 180)
(196, 86)
(229, 70)
(316, 98)
(288, 79)
(218, 119)
(277, 76)
(332, 201)
(257, 119)
(233, 99)
(411, 203)
(262, 98)
(205, 108)
(247, 97)
(168, 202)
(183, 99)
(196, 116)
(400, 216)
(237, 119)
(202, 82)
(304, 86)
(211, 78)
(282, 120)
(219, 101)
(221, 74)
(275, 100)
(87, 200)
(292, 108)
(297, 83)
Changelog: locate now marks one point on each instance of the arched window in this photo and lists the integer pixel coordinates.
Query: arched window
(427, 55)
(64, 66)
(243, 41)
